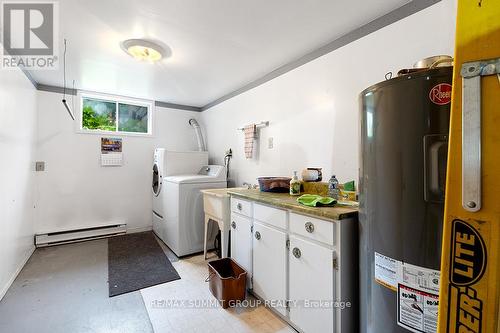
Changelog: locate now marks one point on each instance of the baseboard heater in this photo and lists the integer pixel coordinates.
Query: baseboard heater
(79, 235)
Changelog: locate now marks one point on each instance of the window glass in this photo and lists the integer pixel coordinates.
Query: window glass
(98, 115)
(115, 115)
(132, 118)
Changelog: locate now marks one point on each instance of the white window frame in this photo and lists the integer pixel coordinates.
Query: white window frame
(117, 100)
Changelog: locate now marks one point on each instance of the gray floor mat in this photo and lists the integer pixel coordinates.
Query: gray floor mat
(136, 261)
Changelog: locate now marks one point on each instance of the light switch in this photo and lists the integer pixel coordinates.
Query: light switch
(270, 143)
(39, 166)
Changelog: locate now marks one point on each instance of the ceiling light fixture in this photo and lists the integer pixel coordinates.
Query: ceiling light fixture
(144, 50)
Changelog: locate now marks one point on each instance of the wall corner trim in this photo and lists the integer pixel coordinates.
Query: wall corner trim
(69, 91)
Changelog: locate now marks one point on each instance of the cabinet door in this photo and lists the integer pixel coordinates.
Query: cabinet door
(269, 265)
(312, 278)
(241, 243)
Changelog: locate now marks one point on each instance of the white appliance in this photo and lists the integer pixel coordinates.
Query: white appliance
(171, 163)
(184, 214)
(178, 215)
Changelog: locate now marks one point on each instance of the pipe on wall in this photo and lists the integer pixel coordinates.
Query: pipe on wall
(199, 135)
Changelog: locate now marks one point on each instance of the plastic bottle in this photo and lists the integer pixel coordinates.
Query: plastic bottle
(295, 184)
(333, 188)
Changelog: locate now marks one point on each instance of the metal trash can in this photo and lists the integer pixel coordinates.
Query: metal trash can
(227, 281)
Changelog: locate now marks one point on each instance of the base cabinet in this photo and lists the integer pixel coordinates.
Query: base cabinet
(302, 266)
(312, 279)
(269, 265)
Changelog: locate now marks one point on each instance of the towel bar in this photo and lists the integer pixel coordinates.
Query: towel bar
(261, 124)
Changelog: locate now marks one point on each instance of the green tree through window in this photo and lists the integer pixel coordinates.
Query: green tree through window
(102, 115)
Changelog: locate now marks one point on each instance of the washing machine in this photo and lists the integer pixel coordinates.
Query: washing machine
(171, 163)
(184, 216)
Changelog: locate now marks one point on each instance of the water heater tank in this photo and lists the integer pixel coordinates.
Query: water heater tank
(404, 141)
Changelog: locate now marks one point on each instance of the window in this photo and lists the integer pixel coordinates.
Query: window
(102, 114)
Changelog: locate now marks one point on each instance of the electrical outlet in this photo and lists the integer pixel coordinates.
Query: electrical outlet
(270, 143)
(39, 166)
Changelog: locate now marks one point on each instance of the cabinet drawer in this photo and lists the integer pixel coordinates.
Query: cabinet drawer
(241, 206)
(313, 228)
(269, 215)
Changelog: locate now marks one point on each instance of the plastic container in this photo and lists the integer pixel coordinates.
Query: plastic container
(227, 281)
(333, 188)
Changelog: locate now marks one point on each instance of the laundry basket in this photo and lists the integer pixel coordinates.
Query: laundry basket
(227, 281)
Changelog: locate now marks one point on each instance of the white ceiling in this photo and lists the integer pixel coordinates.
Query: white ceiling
(217, 45)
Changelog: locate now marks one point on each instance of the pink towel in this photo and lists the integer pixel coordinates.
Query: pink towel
(250, 135)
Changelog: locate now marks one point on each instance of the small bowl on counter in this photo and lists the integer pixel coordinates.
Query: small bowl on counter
(274, 184)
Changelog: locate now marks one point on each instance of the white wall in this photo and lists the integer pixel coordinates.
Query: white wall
(17, 185)
(313, 110)
(76, 192)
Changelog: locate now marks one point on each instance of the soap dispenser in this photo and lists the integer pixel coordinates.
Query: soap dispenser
(295, 184)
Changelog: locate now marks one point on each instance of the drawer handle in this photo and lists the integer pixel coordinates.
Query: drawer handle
(257, 235)
(233, 225)
(239, 206)
(296, 252)
(309, 227)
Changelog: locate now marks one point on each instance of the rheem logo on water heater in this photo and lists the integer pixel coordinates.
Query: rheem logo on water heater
(440, 94)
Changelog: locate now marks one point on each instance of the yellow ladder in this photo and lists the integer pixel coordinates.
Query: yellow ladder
(470, 268)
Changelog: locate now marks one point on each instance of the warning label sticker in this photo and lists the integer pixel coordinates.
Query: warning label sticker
(417, 310)
(386, 271)
(418, 298)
